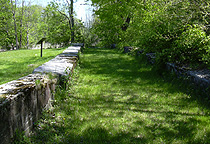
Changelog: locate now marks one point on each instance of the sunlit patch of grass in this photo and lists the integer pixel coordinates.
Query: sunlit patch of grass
(19, 63)
(117, 98)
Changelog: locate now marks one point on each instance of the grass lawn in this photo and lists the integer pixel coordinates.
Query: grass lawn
(116, 98)
(19, 63)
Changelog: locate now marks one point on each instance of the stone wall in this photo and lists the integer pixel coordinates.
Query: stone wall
(22, 100)
(127, 49)
(200, 78)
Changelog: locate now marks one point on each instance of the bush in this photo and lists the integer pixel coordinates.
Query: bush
(192, 46)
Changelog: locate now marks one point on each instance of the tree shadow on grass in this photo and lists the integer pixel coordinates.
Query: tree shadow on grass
(125, 71)
(91, 135)
(69, 130)
(100, 135)
(122, 100)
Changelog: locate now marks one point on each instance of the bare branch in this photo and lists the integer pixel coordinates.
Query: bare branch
(68, 3)
(63, 14)
(69, 19)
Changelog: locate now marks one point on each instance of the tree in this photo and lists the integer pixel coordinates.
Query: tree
(57, 24)
(21, 24)
(155, 26)
(5, 24)
(68, 7)
(14, 6)
(71, 13)
(115, 18)
(61, 24)
(34, 24)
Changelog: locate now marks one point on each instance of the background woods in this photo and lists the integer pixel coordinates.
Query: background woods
(23, 24)
(177, 31)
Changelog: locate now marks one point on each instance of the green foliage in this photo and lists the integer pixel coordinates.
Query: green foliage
(176, 30)
(32, 22)
(91, 37)
(20, 138)
(79, 31)
(6, 37)
(191, 46)
(111, 20)
(28, 24)
(206, 56)
(58, 26)
(57, 29)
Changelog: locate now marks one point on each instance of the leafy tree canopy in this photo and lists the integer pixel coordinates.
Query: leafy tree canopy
(175, 30)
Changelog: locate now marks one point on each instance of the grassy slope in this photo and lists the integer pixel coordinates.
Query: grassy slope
(14, 64)
(118, 99)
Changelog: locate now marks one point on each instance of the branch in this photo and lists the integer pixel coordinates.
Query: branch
(68, 3)
(64, 14)
(69, 19)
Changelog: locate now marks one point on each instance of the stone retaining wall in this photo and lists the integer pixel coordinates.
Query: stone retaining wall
(200, 78)
(22, 100)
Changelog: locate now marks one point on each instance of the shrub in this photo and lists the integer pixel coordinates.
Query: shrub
(190, 47)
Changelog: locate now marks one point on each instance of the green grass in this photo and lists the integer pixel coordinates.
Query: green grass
(116, 98)
(16, 64)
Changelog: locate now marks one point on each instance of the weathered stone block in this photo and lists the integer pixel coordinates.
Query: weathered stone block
(23, 104)
(151, 57)
(113, 46)
(61, 64)
(127, 49)
(4, 123)
(78, 44)
(199, 77)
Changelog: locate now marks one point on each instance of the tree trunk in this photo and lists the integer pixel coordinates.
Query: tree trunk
(27, 36)
(15, 25)
(126, 24)
(72, 20)
(21, 25)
